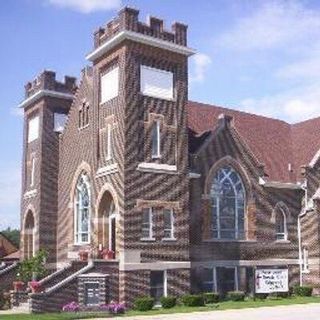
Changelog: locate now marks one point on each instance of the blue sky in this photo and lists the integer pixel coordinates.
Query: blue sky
(259, 56)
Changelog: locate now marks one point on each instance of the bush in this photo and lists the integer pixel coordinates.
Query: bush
(235, 295)
(168, 302)
(193, 300)
(144, 303)
(211, 297)
(261, 296)
(303, 291)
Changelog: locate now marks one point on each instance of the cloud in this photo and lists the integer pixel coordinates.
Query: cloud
(275, 24)
(201, 63)
(294, 105)
(10, 192)
(87, 6)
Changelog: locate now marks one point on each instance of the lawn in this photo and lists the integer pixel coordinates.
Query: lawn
(178, 309)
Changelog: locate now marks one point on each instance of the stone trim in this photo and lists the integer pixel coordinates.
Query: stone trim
(54, 274)
(279, 185)
(30, 194)
(109, 169)
(140, 38)
(44, 93)
(194, 175)
(157, 168)
(142, 204)
(158, 265)
(245, 263)
(5, 270)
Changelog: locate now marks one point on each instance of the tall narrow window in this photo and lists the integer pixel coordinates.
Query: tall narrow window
(33, 129)
(59, 121)
(82, 210)
(80, 123)
(109, 85)
(281, 226)
(155, 134)
(168, 224)
(147, 225)
(228, 203)
(109, 141)
(33, 166)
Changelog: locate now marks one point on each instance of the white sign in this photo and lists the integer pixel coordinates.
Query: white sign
(271, 280)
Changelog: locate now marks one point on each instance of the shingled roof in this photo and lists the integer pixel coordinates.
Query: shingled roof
(275, 143)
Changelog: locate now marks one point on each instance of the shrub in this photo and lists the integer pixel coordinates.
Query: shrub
(144, 303)
(211, 297)
(261, 296)
(305, 291)
(168, 302)
(114, 307)
(193, 300)
(235, 295)
(71, 307)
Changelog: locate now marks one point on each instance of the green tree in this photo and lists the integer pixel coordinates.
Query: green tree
(13, 235)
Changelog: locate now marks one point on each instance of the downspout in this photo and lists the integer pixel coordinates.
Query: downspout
(301, 214)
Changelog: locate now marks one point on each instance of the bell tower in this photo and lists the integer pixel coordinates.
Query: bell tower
(141, 90)
(46, 105)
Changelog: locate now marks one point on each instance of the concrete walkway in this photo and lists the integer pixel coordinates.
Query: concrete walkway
(309, 311)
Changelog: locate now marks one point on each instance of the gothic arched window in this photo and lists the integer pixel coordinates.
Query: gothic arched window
(82, 210)
(281, 224)
(228, 204)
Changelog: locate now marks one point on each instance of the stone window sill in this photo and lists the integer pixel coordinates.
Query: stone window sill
(169, 239)
(148, 239)
(230, 240)
(282, 241)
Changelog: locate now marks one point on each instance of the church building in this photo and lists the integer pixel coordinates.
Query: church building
(134, 190)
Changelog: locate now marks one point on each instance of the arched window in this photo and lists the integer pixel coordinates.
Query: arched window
(82, 210)
(281, 224)
(228, 203)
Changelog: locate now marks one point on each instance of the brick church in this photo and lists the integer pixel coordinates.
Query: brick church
(183, 196)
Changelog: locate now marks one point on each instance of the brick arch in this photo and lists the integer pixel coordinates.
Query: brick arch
(282, 207)
(28, 236)
(30, 208)
(228, 161)
(107, 188)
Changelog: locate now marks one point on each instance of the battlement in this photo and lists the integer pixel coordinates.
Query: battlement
(128, 19)
(46, 80)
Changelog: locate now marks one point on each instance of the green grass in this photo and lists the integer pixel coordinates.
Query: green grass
(178, 309)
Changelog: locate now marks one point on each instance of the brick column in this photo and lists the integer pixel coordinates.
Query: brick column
(251, 220)
(206, 217)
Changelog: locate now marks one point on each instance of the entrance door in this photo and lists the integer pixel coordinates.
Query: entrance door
(112, 233)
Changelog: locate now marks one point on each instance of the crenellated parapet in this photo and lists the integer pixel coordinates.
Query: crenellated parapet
(46, 80)
(128, 19)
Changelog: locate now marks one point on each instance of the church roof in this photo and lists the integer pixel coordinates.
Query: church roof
(275, 143)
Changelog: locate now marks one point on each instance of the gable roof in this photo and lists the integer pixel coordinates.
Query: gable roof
(274, 142)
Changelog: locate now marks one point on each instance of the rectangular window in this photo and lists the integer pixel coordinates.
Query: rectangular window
(147, 224)
(59, 121)
(168, 224)
(33, 129)
(33, 166)
(227, 279)
(109, 85)
(156, 142)
(109, 141)
(208, 283)
(156, 83)
(158, 285)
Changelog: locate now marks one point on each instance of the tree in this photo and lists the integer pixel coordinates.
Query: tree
(13, 235)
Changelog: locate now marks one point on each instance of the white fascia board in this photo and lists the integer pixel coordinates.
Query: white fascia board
(45, 93)
(141, 38)
(280, 185)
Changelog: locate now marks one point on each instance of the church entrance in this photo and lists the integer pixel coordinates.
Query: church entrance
(107, 225)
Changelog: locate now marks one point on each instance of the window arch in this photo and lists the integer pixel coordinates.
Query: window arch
(281, 224)
(228, 198)
(82, 210)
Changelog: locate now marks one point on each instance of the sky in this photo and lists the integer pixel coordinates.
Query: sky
(258, 56)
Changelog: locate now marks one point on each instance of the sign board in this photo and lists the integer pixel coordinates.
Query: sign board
(271, 280)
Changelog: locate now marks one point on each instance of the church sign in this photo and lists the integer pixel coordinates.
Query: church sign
(271, 280)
